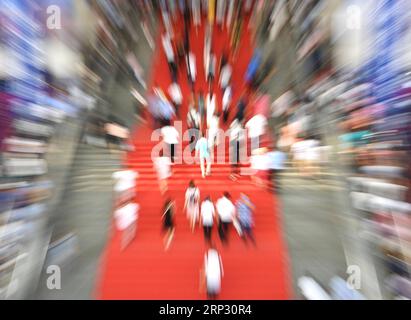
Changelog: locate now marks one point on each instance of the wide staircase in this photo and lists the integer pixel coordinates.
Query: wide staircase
(145, 270)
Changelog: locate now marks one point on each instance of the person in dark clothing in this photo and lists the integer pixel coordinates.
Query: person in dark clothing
(241, 109)
(181, 53)
(207, 214)
(193, 123)
(172, 66)
(201, 108)
(226, 114)
(168, 222)
(226, 213)
(236, 136)
(223, 61)
(187, 16)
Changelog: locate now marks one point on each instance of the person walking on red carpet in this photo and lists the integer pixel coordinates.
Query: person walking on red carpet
(201, 108)
(227, 96)
(193, 123)
(169, 52)
(176, 96)
(225, 76)
(160, 108)
(166, 18)
(241, 106)
(212, 273)
(244, 217)
(236, 141)
(162, 165)
(224, 60)
(213, 132)
(210, 106)
(207, 217)
(168, 222)
(203, 152)
(191, 69)
(171, 139)
(226, 214)
(212, 64)
(192, 204)
(253, 66)
(207, 51)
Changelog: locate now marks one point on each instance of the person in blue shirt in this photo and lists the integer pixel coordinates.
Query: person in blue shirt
(202, 151)
(244, 217)
(253, 66)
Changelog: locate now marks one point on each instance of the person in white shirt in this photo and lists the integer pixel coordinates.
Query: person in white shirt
(171, 139)
(225, 76)
(227, 96)
(192, 204)
(207, 217)
(191, 69)
(169, 52)
(162, 165)
(213, 133)
(176, 96)
(226, 214)
(256, 127)
(213, 272)
(210, 107)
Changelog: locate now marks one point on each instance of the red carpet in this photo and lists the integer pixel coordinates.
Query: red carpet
(144, 270)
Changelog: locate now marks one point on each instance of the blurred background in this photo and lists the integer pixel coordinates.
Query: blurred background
(74, 72)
